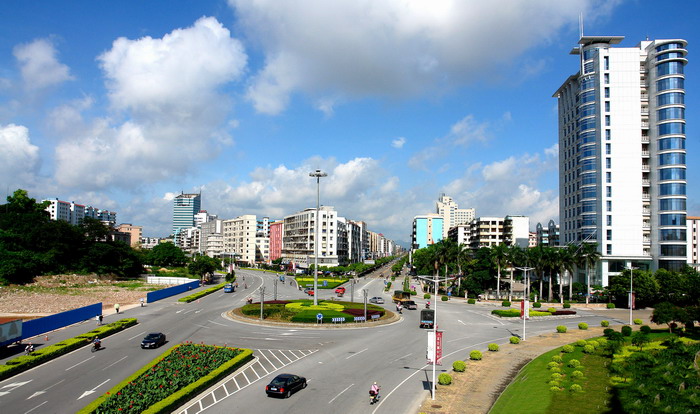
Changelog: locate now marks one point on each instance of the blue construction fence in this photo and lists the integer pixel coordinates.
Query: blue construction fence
(167, 292)
(49, 323)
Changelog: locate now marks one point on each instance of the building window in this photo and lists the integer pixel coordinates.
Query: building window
(608, 177)
(607, 135)
(608, 191)
(607, 149)
(607, 106)
(606, 78)
(608, 249)
(608, 220)
(606, 63)
(608, 235)
(608, 162)
(607, 120)
(608, 205)
(607, 92)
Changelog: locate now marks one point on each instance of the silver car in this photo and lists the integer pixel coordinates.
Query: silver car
(377, 300)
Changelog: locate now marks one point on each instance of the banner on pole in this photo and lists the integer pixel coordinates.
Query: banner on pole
(438, 348)
(430, 353)
(525, 309)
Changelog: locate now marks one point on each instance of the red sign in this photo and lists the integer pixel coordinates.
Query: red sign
(438, 347)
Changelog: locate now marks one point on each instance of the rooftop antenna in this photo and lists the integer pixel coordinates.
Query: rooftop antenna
(580, 24)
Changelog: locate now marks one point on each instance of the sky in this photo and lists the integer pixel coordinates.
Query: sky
(123, 105)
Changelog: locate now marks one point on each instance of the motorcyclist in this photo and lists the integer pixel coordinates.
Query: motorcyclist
(427, 305)
(29, 348)
(374, 393)
(96, 342)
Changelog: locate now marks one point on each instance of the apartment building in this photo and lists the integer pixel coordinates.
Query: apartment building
(239, 238)
(451, 214)
(300, 234)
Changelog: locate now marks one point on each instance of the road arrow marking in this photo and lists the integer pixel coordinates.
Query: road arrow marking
(11, 387)
(44, 390)
(461, 322)
(88, 392)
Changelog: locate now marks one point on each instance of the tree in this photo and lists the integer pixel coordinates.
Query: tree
(644, 285)
(673, 287)
(640, 339)
(499, 256)
(668, 313)
(565, 263)
(203, 265)
(513, 255)
(588, 256)
(166, 254)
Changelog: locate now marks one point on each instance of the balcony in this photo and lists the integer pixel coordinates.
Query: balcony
(646, 196)
(645, 139)
(646, 183)
(646, 168)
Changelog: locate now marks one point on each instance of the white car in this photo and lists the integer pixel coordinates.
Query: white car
(377, 300)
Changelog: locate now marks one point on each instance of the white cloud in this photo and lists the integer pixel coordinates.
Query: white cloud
(19, 158)
(358, 48)
(398, 142)
(552, 151)
(39, 66)
(167, 89)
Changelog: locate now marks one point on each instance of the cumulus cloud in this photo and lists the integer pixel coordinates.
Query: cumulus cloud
(398, 142)
(19, 158)
(39, 65)
(167, 89)
(358, 48)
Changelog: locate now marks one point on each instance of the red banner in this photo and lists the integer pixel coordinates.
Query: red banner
(438, 347)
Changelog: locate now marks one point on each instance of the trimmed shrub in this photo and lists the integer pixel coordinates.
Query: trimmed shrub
(552, 364)
(493, 347)
(555, 369)
(556, 358)
(561, 329)
(594, 343)
(626, 330)
(514, 340)
(475, 355)
(577, 374)
(445, 298)
(444, 379)
(583, 326)
(611, 306)
(566, 305)
(602, 342)
(505, 304)
(564, 312)
(573, 363)
(459, 366)
(201, 293)
(581, 342)
(575, 388)
(604, 324)
(588, 349)
(608, 331)
(426, 296)
(471, 301)
(567, 349)
(637, 321)
(413, 293)
(555, 377)
(553, 383)
(555, 389)
(645, 329)
(551, 310)
(537, 305)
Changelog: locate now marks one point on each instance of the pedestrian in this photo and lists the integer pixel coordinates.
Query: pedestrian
(116, 308)
(99, 319)
(142, 302)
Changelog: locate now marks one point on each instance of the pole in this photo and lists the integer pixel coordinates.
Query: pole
(435, 280)
(630, 295)
(364, 293)
(318, 174)
(262, 300)
(275, 287)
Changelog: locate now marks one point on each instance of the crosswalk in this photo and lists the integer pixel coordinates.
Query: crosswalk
(266, 362)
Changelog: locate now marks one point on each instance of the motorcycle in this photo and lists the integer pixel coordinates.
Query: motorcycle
(373, 397)
(96, 346)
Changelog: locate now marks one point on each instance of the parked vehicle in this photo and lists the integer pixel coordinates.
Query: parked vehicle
(409, 304)
(427, 318)
(153, 340)
(285, 385)
(377, 300)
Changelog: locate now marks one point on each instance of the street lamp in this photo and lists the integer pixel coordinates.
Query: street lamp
(631, 301)
(318, 174)
(526, 294)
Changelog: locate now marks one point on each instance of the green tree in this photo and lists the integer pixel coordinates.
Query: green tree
(588, 256)
(673, 287)
(499, 256)
(640, 339)
(668, 313)
(203, 265)
(644, 285)
(166, 254)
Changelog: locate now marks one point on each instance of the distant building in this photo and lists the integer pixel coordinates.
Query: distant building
(300, 236)
(185, 206)
(75, 214)
(451, 214)
(134, 232)
(276, 231)
(427, 230)
(692, 232)
(532, 240)
(547, 236)
(239, 238)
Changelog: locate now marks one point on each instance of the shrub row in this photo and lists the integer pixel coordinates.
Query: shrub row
(25, 362)
(197, 295)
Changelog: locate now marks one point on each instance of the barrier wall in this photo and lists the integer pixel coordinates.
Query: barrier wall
(49, 323)
(167, 280)
(174, 290)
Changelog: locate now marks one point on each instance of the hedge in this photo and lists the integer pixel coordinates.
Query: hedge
(610, 306)
(493, 347)
(38, 357)
(561, 329)
(471, 301)
(444, 379)
(514, 340)
(201, 293)
(604, 323)
(184, 394)
(475, 355)
(459, 366)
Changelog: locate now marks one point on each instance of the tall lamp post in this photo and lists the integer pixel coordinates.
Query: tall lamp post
(318, 174)
(526, 295)
(631, 297)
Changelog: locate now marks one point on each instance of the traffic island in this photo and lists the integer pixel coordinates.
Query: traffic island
(303, 313)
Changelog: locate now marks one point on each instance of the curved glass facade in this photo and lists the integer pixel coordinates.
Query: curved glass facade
(671, 98)
(670, 83)
(672, 174)
(672, 158)
(672, 235)
(668, 46)
(669, 68)
(672, 189)
(672, 204)
(674, 112)
(671, 143)
(672, 128)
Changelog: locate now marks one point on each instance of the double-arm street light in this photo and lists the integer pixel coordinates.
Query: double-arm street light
(526, 295)
(318, 174)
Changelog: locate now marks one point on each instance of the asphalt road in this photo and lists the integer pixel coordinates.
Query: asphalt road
(339, 364)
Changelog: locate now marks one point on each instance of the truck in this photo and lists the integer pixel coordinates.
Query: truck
(10, 331)
(427, 318)
(401, 296)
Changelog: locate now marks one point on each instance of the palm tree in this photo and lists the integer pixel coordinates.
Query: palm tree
(588, 256)
(462, 251)
(565, 261)
(513, 256)
(499, 257)
(549, 258)
(536, 261)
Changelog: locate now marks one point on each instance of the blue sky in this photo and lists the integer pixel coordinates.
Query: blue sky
(121, 105)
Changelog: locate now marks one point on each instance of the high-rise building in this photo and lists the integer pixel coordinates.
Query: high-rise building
(427, 229)
(185, 206)
(622, 168)
(240, 239)
(300, 235)
(451, 214)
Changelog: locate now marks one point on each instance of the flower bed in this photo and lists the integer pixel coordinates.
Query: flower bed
(171, 379)
(305, 311)
(331, 283)
(512, 313)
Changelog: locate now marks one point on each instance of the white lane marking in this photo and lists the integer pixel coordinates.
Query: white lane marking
(402, 357)
(115, 362)
(217, 323)
(88, 392)
(12, 387)
(357, 353)
(201, 326)
(461, 322)
(83, 361)
(27, 412)
(341, 392)
(137, 335)
(44, 390)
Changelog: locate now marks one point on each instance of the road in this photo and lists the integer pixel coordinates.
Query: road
(339, 364)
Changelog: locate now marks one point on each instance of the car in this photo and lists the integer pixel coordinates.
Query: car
(228, 288)
(376, 299)
(309, 291)
(285, 385)
(153, 340)
(409, 304)
(340, 290)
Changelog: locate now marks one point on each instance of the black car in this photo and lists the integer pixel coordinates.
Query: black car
(285, 385)
(153, 340)
(409, 304)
